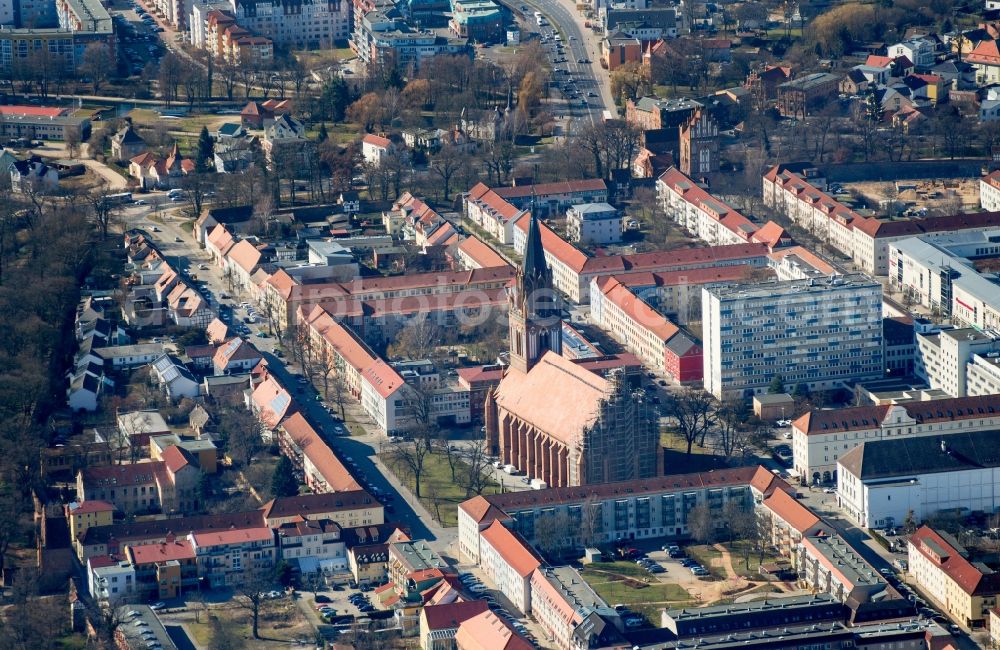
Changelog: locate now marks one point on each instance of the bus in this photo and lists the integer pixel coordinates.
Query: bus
(119, 199)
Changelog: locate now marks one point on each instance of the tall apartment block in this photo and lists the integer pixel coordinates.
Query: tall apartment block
(821, 332)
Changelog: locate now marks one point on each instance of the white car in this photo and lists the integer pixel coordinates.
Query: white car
(787, 435)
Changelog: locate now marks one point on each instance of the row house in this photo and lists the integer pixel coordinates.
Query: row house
(708, 218)
(509, 562)
(491, 212)
(864, 239)
(163, 570)
(573, 271)
(942, 569)
(322, 470)
(640, 509)
(786, 522)
(284, 294)
(645, 332)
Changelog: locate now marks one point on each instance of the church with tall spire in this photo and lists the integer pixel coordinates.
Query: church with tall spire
(534, 313)
(552, 418)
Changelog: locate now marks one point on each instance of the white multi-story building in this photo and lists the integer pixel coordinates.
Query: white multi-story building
(594, 223)
(919, 50)
(111, 581)
(308, 24)
(509, 562)
(819, 333)
(881, 483)
(822, 436)
(939, 274)
(944, 358)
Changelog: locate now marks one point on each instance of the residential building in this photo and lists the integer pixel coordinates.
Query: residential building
(235, 356)
(322, 470)
(509, 562)
(152, 172)
(882, 482)
(126, 144)
(169, 485)
(350, 509)
(111, 581)
(228, 558)
(787, 522)
(829, 564)
(439, 623)
(174, 377)
(985, 59)
(375, 148)
(285, 140)
(473, 253)
(313, 546)
(32, 176)
(639, 509)
(202, 451)
(919, 50)
(40, 122)
(82, 516)
(315, 24)
(413, 568)
(382, 36)
(619, 48)
(821, 333)
(570, 611)
(796, 191)
(754, 615)
(802, 96)
(594, 223)
(821, 437)
(989, 192)
(964, 589)
(645, 331)
(709, 218)
(163, 570)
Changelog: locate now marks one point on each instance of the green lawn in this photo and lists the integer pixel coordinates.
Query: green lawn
(614, 583)
(438, 492)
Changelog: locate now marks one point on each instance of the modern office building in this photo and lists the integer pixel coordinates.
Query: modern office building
(958, 361)
(820, 333)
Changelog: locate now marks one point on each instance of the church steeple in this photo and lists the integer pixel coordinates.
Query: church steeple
(535, 324)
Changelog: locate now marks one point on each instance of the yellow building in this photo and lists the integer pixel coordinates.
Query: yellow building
(966, 591)
(348, 509)
(87, 514)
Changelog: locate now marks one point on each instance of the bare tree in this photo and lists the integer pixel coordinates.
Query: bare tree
(701, 524)
(692, 410)
(475, 476)
(411, 456)
(251, 592)
(445, 164)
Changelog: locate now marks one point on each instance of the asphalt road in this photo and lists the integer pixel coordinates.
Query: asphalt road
(579, 43)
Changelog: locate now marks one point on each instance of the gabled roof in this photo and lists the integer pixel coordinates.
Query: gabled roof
(245, 255)
(306, 505)
(216, 331)
(377, 141)
(383, 378)
(487, 631)
(175, 458)
(236, 536)
(791, 511)
(513, 548)
(313, 447)
(481, 510)
(985, 53)
(952, 561)
(180, 549)
(562, 414)
(233, 350)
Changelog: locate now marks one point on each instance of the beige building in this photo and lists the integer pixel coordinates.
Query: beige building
(348, 509)
(966, 591)
(821, 436)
